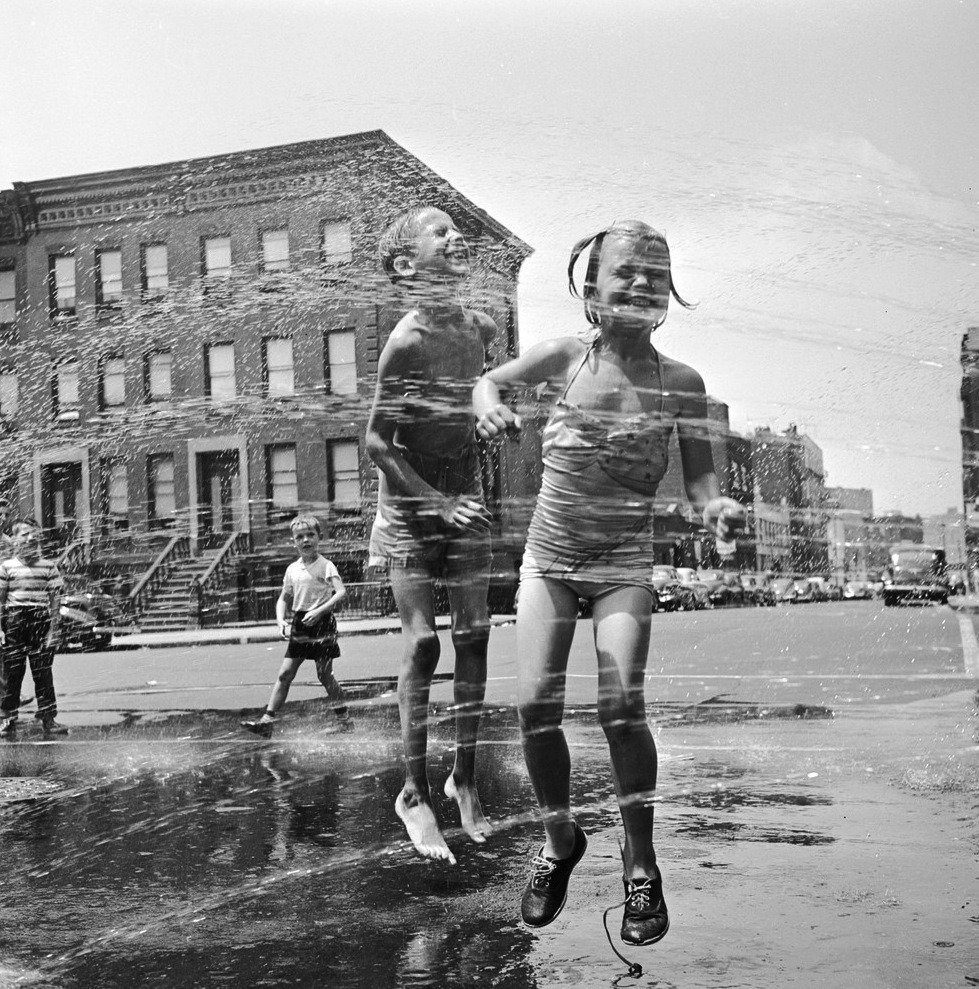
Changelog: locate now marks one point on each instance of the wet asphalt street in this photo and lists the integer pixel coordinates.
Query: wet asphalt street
(817, 822)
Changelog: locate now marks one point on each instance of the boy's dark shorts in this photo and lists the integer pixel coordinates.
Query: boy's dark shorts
(405, 537)
(317, 642)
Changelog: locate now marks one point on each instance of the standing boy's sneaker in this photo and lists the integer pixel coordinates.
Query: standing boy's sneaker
(547, 891)
(344, 721)
(51, 727)
(263, 727)
(8, 728)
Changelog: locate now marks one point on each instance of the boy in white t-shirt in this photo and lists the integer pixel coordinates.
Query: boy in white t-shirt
(312, 590)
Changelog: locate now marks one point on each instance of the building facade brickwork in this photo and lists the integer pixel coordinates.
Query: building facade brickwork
(192, 347)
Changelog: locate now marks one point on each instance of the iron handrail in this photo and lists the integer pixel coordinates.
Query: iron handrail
(177, 548)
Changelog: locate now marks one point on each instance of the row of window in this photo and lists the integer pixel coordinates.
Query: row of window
(282, 494)
(217, 264)
(220, 381)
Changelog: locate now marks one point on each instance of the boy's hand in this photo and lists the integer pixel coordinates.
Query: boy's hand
(465, 513)
(312, 616)
(283, 627)
(724, 518)
(499, 421)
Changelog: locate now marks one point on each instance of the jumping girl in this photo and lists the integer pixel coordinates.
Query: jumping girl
(616, 401)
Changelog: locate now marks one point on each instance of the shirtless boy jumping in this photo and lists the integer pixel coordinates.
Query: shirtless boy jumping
(431, 521)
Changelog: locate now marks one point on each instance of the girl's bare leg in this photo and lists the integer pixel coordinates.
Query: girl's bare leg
(622, 623)
(546, 616)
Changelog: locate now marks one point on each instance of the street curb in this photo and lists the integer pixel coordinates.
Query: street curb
(251, 636)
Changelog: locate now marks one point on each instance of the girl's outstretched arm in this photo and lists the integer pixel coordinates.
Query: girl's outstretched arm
(544, 362)
(723, 517)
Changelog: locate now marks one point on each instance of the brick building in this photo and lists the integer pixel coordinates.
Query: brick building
(790, 492)
(188, 353)
(849, 511)
(969, 394)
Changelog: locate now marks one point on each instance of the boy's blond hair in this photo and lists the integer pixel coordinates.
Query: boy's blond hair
(398, 240)
(306, 522)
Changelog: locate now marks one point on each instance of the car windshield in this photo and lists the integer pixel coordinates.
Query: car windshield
(915, 559)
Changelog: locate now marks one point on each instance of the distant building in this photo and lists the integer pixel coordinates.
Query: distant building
(790, 490)
(969, 393)
(947, 532)
(849, 510)
(189, 352)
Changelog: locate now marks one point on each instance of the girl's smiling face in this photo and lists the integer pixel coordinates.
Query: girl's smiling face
(632, 284)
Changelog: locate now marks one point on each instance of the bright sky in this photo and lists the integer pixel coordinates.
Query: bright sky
(814, 164)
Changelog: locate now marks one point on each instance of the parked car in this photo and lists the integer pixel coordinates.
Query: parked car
(666, 583)
(808, 590)
(916, 573)
(827, 589)
(88, 621)
(717, 589)
(724, 587)
(785, 590)
(697, 595)
(859, 590)
(736, 594)
(758, 589)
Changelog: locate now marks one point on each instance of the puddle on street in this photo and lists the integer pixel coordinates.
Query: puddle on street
(173, 853)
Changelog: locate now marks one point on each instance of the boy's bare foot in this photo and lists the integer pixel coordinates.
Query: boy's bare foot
(470, 812)
(422, 827)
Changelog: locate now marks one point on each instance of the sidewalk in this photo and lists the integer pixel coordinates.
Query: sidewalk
(264, 632)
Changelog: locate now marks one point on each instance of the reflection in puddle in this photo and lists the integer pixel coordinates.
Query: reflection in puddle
(172, 853)
(731, 831)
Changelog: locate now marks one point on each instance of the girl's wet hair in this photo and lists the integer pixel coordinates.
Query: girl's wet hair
(638, 231)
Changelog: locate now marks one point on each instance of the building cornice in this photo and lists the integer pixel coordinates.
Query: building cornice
(272, 174)
(18, 219)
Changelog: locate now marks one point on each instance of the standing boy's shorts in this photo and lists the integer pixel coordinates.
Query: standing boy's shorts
(407, 535)
(317, 641)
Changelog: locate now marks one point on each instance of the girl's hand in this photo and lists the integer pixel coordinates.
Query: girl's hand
(497, 422)
(465, 513)
(724, 518)
(312, 616)
(284, 627)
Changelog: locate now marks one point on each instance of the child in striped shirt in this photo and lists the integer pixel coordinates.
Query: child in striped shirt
(30, 601)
